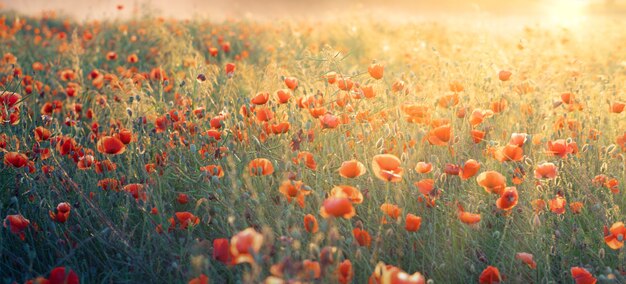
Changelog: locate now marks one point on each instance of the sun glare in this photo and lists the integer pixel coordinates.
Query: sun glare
(566, 13)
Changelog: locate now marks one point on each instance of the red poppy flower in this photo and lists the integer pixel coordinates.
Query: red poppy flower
(110, 145)
(17, 224)
(244, 245)
(62, 213)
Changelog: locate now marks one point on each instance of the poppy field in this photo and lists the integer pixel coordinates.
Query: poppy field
(152, 150)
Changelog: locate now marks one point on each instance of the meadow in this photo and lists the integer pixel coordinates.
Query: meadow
(151, 150)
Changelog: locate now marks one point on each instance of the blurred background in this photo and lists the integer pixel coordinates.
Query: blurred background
(273, 9)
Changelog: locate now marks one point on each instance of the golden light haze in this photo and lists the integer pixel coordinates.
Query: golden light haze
(271, 9)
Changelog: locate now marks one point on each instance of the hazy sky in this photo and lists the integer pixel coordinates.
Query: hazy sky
(267, 9)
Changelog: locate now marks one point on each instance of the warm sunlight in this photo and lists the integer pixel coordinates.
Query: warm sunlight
(312, 142)
(567, 13)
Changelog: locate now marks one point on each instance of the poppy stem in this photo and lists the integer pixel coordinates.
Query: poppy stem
(506, 226)
(380, 227)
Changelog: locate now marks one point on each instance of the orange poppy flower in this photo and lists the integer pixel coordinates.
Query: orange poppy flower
(230, 69)
(346, 191)
(109, 184)
(456, 87)
(599, 180)
(478, 116)
(557, 205)
(47, 169)
(337, 207)
(261, 98)
(490, 275)
(391, 274)
(614, 237)
(342, 100)
(508, 199)
(213, 171)
(562, 148)
(362, 237)
(217, 121)
(386, 167)
(518, 139)
(263, 114)
(283, 95)
(42, 134)
(17, 224)
(260, 166)
(367, 92)
(280, 128)
(576, 207)
(469, 169)
(215, 134)
(85, 162)
(310, 270)
(416, 113)
(391, 210)
(568, 98)
(105, 165)
(161, 123)
(244, 245)
(423, 167)
(376, 70)
(310, 223)
(425, 186)
(466, 217)
(461, 112)
(331, 77)
(199, 112)
(345, 273)
(504, 75)
(15, 159)
(62, 213)
(492, 182)
(213, 51)
(413, 223)
(613, 185)
(291, 83)
(526, 258)
(509, 152)
(397, 86)
(320, 111)
(307, 157)
(582, 276)
(330, 121)
(125, 135)
(110, 145)
(440, 136)
(351, 169)
(477, 136)
(221, 251)
(345, 83)
(546, 170)
(9, 99)
(202, 279)
(617, 107)
(136, 190)
(294, 190)
(111, 55)
(133, 58)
